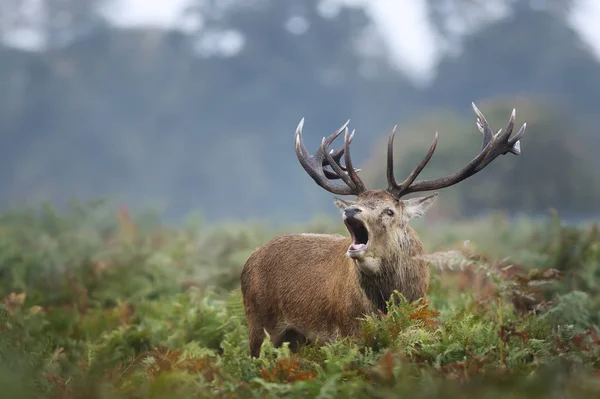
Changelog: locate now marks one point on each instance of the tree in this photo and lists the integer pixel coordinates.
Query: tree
(455, 19)
(139, 112)
(555, 169)
(506, 59)
(59, 22)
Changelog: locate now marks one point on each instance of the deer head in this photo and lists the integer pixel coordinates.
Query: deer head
(378, 218)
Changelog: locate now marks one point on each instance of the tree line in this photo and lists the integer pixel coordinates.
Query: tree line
(167, 119)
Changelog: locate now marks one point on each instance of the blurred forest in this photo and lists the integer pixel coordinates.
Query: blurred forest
(197, 119)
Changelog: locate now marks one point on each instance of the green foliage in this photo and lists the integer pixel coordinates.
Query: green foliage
(98, 305)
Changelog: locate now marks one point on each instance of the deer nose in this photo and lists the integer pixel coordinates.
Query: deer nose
(351, 211)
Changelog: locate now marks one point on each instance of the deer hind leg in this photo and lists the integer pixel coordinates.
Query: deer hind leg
(256, 334)
(294, 338)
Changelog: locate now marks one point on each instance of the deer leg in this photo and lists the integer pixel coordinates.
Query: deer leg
(256, 334)
(294, 338)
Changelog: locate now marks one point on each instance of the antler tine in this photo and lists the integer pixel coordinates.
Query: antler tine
(393, 186)
(339, 153)
(334, 165)
(351, 171)
(315, 165)
(493, 146)
(512, 145)
(515, 142)
(337, 156)
(390, 161)
(483, 126)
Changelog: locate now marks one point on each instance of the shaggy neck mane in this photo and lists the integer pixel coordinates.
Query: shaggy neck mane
(380, 287)
(397, 272)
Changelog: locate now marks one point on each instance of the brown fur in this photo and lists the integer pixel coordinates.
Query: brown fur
(304, 287)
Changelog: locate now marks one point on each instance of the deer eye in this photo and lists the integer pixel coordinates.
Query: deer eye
(389, 212)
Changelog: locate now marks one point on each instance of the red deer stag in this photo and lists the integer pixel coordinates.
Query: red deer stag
(303, 287)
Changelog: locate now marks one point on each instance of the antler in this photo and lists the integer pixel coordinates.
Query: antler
(493, 145)
(315, 165)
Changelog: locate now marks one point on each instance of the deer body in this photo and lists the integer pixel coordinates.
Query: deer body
(306, 287)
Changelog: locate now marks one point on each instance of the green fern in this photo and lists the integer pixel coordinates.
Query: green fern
(100, 305)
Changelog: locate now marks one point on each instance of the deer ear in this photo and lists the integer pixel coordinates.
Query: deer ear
(416, 207)
(342, 204)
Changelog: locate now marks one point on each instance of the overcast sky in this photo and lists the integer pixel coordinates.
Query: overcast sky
(400, 21)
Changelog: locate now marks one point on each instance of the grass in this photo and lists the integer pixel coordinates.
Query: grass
(103, 305)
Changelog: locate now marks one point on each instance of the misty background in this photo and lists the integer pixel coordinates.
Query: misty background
(197, 112)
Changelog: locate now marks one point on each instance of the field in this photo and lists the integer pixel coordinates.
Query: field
(105, 304)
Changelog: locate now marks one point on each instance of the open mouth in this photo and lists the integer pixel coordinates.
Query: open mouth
(359, 235)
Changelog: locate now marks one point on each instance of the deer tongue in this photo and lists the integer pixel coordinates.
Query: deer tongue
(357, 247)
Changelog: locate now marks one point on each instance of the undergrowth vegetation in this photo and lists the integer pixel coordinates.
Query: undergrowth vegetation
(97, 304)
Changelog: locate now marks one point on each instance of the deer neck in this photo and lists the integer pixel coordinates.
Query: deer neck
(397, 271)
